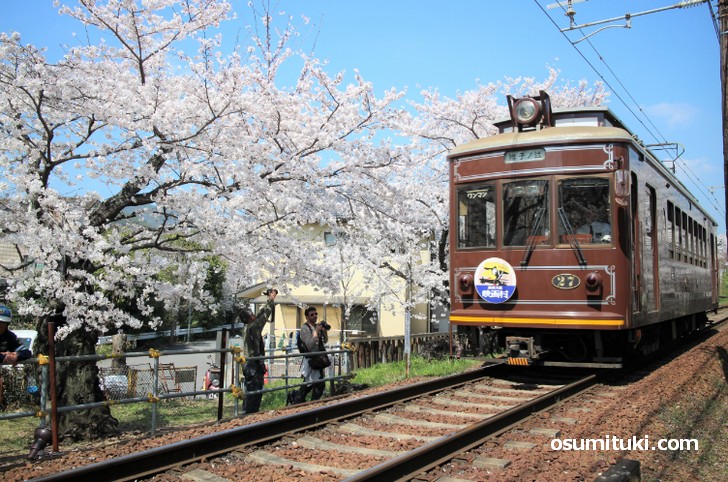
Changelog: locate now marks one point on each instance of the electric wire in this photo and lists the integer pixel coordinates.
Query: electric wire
(601, 76)
(658, 136)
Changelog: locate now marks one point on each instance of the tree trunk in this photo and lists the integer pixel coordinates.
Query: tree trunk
(118, 346)
(77, 383)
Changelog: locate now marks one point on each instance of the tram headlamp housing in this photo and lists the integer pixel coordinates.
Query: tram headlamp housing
(527, 110)
(530, 112)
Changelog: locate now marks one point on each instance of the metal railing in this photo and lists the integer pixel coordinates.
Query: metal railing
(129, 384)
(283, 364)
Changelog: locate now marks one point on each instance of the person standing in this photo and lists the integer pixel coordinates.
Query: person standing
(10, 348)
(313, 338)
(253, 346)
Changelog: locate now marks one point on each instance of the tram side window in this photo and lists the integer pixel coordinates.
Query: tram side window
(525, 212)
(585, 203)
(698, 244)
(685, 244)
(476, 217)
(691, 240)
(678, 235)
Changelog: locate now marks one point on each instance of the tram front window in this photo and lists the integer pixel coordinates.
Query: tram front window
(476, 217)
(585, 202)
(525, 212)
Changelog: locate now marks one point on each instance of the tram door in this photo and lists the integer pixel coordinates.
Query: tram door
(645, 276)
(636, 247)
(714, 267)
(651, 270)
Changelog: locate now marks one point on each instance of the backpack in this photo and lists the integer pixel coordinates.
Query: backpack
(299, 343)
(317, 362)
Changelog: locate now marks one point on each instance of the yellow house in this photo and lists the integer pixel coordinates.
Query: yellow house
(378, 321)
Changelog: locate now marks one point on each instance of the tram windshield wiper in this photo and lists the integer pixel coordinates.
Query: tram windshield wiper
(571, 236)
(532, 237)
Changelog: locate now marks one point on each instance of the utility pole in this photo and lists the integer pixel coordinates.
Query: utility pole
(723, 41)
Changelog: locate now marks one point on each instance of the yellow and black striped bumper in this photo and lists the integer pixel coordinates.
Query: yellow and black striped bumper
(518, 361)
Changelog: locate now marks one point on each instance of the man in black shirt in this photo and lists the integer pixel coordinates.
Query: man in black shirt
(11, 351)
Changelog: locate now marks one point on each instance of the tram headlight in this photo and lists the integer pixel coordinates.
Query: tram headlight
(527, 110)
(465, 282)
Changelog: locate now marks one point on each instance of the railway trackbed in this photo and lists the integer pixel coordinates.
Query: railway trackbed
(375, 436)
(385, 436)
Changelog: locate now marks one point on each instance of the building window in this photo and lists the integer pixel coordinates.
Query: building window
(362, 322)
(329, 239)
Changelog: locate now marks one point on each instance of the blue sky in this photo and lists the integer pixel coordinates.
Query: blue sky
(664, 70)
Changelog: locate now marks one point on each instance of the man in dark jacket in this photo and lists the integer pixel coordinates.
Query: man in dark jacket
(11, 351)
(253, 346)
(313, 338)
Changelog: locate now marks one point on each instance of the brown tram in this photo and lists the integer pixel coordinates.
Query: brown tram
(571, 244)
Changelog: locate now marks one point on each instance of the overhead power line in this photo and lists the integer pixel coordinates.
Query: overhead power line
(566, 6)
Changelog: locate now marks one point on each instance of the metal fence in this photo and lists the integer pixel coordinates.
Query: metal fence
(372, 350)
(26, 388)
(127, 381)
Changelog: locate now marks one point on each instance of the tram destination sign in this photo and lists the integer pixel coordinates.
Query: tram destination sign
(525, 155)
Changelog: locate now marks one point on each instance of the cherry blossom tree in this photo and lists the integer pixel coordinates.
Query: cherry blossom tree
(190, 151)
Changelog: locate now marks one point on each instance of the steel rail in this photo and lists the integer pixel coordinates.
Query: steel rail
(439, 451)
(156, 460)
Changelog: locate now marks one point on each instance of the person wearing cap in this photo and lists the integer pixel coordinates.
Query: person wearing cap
(11, 350)
(253, 346)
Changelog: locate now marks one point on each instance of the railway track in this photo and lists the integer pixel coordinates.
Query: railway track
(447, 448)
(440, 423)
(719, 317)
(425, 424)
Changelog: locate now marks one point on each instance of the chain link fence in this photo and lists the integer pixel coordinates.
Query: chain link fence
(131, 381)
(19, 386)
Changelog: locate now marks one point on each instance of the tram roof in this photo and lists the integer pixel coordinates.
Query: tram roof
(548, 135)
(594, 115)
(577, 124)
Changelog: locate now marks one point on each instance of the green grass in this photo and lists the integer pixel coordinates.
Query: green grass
(724, 288)
(16, 435)
(384, 373)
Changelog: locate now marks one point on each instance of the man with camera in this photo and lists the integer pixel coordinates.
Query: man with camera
(253, 346)
(313, 338)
